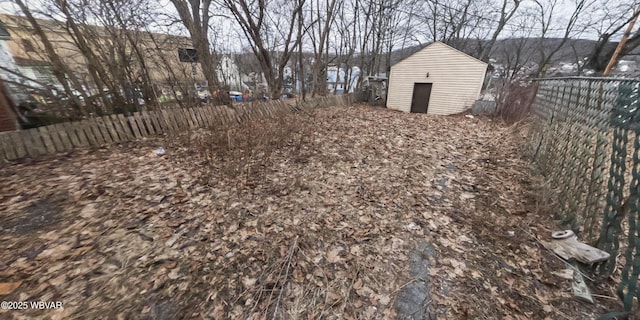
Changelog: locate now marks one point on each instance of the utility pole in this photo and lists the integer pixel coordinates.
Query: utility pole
(623, 41)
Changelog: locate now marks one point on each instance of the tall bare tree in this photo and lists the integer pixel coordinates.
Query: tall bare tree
(269, 27)
(196, 16)
(322, 15)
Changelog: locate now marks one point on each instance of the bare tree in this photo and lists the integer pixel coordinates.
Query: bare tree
(547, 11)
(615, 17)
(322, 15)
(507, 11)
(196, 15)
(269, 27)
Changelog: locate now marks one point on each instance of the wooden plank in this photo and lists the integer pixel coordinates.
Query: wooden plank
(46, 139)
(244, 115)
(25, 137)
(259, 112)
(175, 120)
(215, 116)
(69, 129)
(126, 128)
(262, 112)
(273, 107)
(159, 121)
(147, 122)
(64, 137)
(239, 114)
(234, 116)
(86, 135)
(6, 147)
(247, 115)
(79, 130)
(55, 137)
(18, 145)
(135, 117)
(230, 116)
(38, 142)
(164, 121)
(143, 130)
(176, 117)
(181, 121)
(155, 121)
(146, 116)
(112, 130)
(134, 127)
(252, 114)
(196, 118)
(201, 117)
(154, 116)
(189, 116)
(571, 248)
(193, 123)
(206, 117)
(187, 119)
(225, 116)
(117, 126)
(103, 130)
(94, 127)
(265, 109)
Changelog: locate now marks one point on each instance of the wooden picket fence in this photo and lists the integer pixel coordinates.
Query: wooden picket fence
(99, 131)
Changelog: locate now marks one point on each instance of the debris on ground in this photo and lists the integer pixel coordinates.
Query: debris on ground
(354, 213)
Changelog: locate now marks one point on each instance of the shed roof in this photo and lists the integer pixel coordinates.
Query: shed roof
(443, 44)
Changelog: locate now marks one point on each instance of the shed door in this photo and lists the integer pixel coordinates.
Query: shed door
(421, 95)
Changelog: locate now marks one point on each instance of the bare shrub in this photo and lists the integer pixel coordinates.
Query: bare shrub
(514, 99)
(244, 154)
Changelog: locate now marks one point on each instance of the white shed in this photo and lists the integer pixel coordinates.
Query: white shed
(436, 80)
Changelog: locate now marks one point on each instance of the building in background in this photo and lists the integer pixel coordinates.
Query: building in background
(437, 80)
(160, 53)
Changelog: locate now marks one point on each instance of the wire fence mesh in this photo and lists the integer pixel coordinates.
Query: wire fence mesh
(585, 140)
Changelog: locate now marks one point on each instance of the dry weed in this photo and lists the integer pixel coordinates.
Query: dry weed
(244, 153)
(514, 100)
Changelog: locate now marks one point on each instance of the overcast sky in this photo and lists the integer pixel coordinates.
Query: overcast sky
(228, 36)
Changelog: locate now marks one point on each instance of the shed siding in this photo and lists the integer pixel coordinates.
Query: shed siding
(457, 79)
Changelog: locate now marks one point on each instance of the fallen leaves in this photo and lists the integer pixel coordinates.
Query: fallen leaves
(359, 196)
(333, 256)
(8, 287)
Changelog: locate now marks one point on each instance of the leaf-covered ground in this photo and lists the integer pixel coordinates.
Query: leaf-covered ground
(322, 222)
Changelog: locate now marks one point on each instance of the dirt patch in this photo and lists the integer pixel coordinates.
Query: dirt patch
(325, 224)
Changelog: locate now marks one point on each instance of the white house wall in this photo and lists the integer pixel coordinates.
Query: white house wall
(229, 74)
(456, 77)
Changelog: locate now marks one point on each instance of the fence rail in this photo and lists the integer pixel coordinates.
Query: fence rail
(95, 132)
(580, 140)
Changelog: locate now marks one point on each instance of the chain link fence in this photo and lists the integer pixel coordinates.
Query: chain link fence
(585, 139)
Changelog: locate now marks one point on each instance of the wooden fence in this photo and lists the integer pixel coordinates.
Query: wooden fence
(99, 131)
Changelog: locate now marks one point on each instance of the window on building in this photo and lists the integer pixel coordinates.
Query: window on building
(28, 45)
